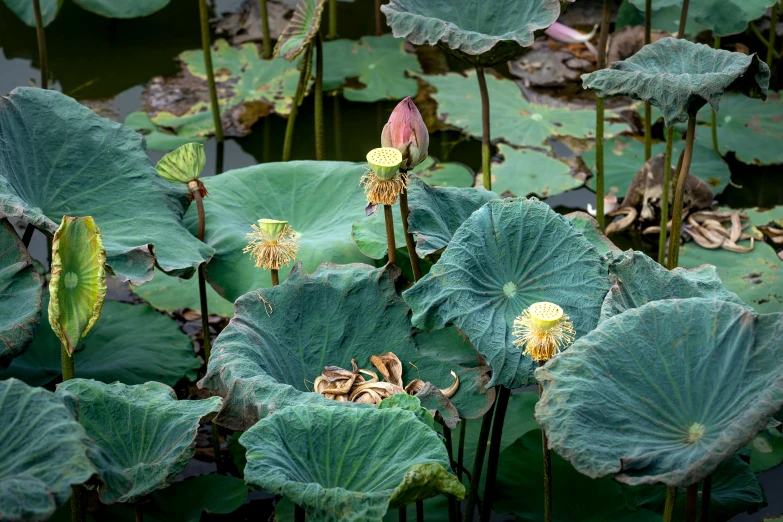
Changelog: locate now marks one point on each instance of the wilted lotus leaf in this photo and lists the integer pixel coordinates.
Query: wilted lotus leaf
(526, 172)
(101, 170)
(115, 9)
(265, 361)
(304, 454)
(507, 255)
(679, 77)
(722, 17)
(183, 165)
(45, 451)
(143, 428)
(485, 33)
(20, 296)
(588, 226)
(24, 10)
(688, 383)
(301, 30)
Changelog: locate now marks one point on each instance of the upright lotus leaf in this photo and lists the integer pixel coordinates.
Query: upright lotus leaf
(170, 294)
(78, 284)
(680, 77)
(24, 10)
(506, 256)
(20, 296)
(483, 33)
(45, 452)
(688, 383)
(320, 200)
(100, 169)
(301, 30)
(526, 172)
(722, 17)
(348, 464)
(588, 226)
(122, 9)
(268, 356)
(143, 428)
(183, 164)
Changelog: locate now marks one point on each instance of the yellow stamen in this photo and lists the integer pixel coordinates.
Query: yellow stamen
(382, 192)
(543, 329)
(273, 244)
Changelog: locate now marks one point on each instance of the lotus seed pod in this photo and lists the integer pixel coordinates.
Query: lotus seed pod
(543, 330)
(545, 315)
(183, 164)
(272, 229)
(272, 244)
(407, 132)
(384, 162)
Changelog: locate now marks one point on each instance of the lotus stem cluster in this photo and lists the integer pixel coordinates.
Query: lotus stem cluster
(384, 182)
(273, 244)
(543, 330)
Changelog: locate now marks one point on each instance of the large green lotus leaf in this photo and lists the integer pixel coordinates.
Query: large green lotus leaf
(665, 19)
(688, 383)
(20, 296)
(588, 226)
(766, 450)
(369, 233)
(45, 451)
(754, 276)
(348, 464)
(301, 29)
(100, 168)
(320, 200)
(266, 360)
(722, 17)
(378, 62)
(526, 172)
(640, 279)
(624, 156)
(506, 256)
(242, 77)
(155, 137)
(169, 294)
(680, 77)
(130, 344)
(24, 10)
(512, 118)
(122, 8)
(435, 509)
(448, 174)
(482, 32)
(143, 428)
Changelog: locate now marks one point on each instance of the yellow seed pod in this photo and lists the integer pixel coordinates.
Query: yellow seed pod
(384, 162)
(543, 330)
(545, 315)
(271, 228)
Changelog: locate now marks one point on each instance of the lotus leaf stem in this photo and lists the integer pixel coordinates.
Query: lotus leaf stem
(450, 450)
(301, 88)
(403, 516)
(706, 495)
(691, 502)
(338, 128)
(405, 212)
(461, 448)
(139, 513)
(419, 510)
(671, 500)
(761, 38)
(647, 106)
(378, 24)
(478, 465)
(319, 97)
(275, 277)
(387, 215)
(771, 44)
(547, 464)
(202, 284)
(667, 174)
(28, 235)
(494, 453)
(205, 45)
(485, 141)
(599, 120)
(299, 513)
(219, 157)
(332, 19)
(78, 504)
(683, 18)
(682, 176)
(39, 30)
(715, 114)
(264, 13)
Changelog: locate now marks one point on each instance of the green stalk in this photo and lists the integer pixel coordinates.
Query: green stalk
(403, 516)
(419, 510)
(301, 88)
(671, 500)
(405, 212)
(264, 12)
(39, 30)
(682, 176)
(683, 18)
(299, 513)
(761, 38)
(28, 235)
(772, 33)
(599, 121)
(205, 45)
(77, 492)
(332, 19)
(691, 502)
(706, 495)
(461, 448)
(494, 453)
(667, 174)
(450, 451)
(319, 97)
(715, 114)
(378, 24)
(485, 141)
(139, 513)
(387, 215)
(67, 364)
(478, 465)
(647, 106)
(337, 120)
(275, 277)
(547, 464)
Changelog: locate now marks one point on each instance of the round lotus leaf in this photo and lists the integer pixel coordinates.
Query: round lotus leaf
(100, 169)
(507, 255)
(170, 294)
(680, 77)
(268, 356)
(486, 33)
(182, 165)
(450, 174)
(24, 10)
(526, 172)
(20, 296)
(143, 428)
(588, 226)
(45, 452)
(122, 9)
(369, 233)
(301, 30)
(348, 464)
(320, 200)
(665, 392)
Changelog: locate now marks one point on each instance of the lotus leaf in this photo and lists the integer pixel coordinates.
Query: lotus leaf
(506, 256)
(272, 350)
(122, 9)
(485, 33)
(369, 234)
(300, 453)
(45, 451)
(301, 30)
(688, 383)
(766, 450)
(526, 172)
(588, 226)
(409, 403)
(101, 169)
(320, 200)
(24, 10)
(680, 77)
(169, 294)
(143, 428)
(182, 165)
(130, 344)
(722, 17)
(154, 136)
(440, 174)
(458, 105)
(20, 296)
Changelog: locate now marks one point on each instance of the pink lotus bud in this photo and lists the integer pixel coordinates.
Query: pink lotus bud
(564, 34)
(407, 132)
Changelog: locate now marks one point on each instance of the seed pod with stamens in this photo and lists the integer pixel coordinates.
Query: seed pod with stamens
(543, 330)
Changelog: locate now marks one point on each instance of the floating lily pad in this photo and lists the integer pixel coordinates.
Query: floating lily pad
(526, 172)
(266, 360)
(101, 170)
(588, 226)
(169, 294)
(45, 451)
(301, 453)
(320, 200)
(301, 30)
(20, 296)
(155, 137)
(512, 117)
(486, 33)
(506, 256)
(24, 10)
(143, 428)
(120, 9)
(448, 174)
(369, 233)
(689, 382)
(680, 77)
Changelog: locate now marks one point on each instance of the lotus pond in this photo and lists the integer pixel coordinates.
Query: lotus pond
(432, 260)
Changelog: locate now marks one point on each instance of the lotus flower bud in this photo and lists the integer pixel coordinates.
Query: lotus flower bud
(406, 132)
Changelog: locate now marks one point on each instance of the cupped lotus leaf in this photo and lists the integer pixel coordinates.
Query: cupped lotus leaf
(320, 200)
(183, 164)
(130, 344)
(20, 296)
(45, 452)
(143, 428)
(406, 402)
(122, 9)
(24, 10)
(526, 172)
(512, 118)
(680, 77)
(688, 383)
(100, 169)
(369, 234)
(486, 33)
(170, 294)
(155, 137)
(588, 226)
(301, 30)
(448, 174)
(722, 17)
(766, 450)
(303, 453)
(507, 255)
(272, 350)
